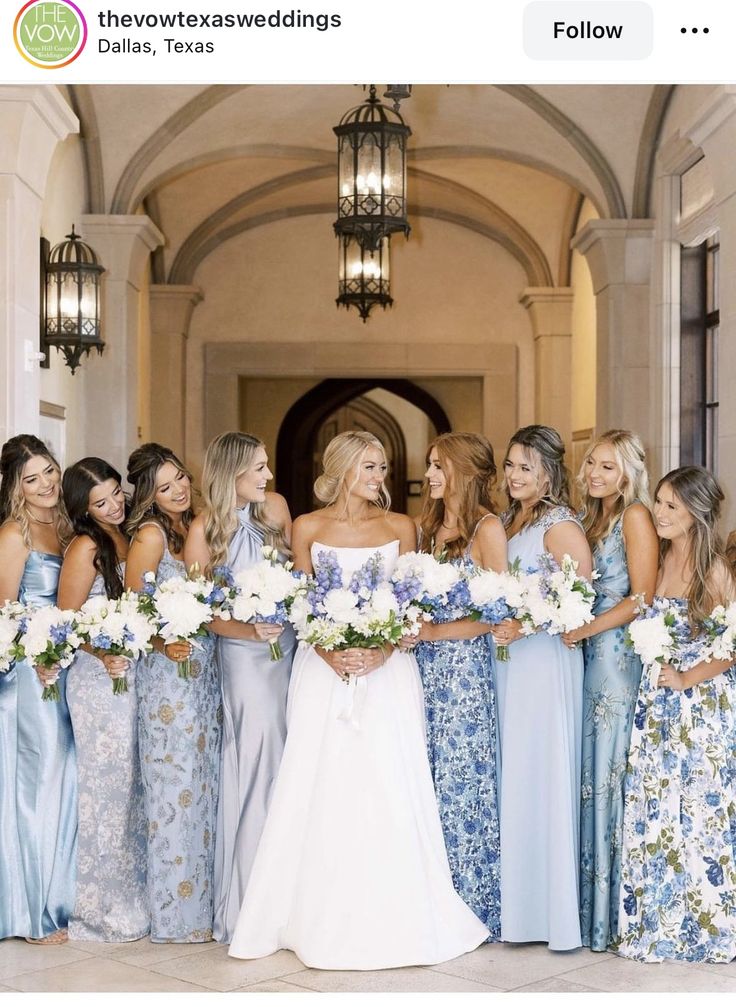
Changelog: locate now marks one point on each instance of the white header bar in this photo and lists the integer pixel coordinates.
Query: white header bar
(340, 41)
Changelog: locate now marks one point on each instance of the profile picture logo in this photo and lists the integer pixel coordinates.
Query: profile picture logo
(50, 33)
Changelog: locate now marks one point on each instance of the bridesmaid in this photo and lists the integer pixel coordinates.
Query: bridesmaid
(456, 665)
(540, 698)
(238, 518)
(677, 898)
(38, 775)
(111, 903)
(178, 719)
(619, 527)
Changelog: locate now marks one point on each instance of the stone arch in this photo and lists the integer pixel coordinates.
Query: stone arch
(577, 139)
(301, 423)
(538, 273)
(651, 130)
(152, 147)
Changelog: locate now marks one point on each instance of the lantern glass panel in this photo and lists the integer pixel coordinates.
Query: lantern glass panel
(347, 177)
(368, 181)
(395, 170)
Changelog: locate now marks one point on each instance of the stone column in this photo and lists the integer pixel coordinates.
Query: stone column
(550, 309)
(171, 312)
(113, 401)
(32, 121)
(619, 255)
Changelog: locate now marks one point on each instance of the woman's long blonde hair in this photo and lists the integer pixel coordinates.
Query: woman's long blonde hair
(633, 482)
(471, 480)
(701, 495)
(340, 457)
(226, 458)
(15, 453)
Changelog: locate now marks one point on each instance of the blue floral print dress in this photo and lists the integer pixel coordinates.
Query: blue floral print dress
(678, 864)
(610, 687)
(179, 729)
(460, 704)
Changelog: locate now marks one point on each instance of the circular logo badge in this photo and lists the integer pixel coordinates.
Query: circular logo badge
(50, 33)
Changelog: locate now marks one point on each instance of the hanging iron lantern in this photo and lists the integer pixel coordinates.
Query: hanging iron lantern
(364, 276)
(70, 316)
(371, 169)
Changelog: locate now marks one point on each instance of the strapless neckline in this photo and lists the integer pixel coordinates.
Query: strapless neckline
(357, 548)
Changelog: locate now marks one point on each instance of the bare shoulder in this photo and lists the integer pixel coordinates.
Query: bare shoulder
(151, 536)
(81, 547)
(722, 581)
(490, 528)
(308, 526)
(637, 518)
(197, 525)
(11, 538)
(277, 508)
(401, 524)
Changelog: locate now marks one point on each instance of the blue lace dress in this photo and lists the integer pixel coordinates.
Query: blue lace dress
(111, 902)
(612, 674)
(179, 728)
(540, 711)
(460, 705)
(38, 786)
(677, 897)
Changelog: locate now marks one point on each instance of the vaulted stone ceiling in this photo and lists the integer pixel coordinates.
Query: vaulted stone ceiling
(512, 163)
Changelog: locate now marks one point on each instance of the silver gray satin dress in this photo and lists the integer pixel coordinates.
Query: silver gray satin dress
(254, 690)
(111, 902)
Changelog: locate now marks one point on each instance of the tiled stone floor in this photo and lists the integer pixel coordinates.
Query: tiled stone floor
(204, 968)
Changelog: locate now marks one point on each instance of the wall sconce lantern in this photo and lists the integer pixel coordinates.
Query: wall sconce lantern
(371, 169)
(70, 299)
(364, 276)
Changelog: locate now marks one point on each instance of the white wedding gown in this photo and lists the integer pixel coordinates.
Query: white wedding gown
(351, 871)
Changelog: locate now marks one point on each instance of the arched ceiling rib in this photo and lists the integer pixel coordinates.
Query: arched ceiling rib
(658, 105)
(176, 124)
(130, 188)
(577, 139)
(538, 274)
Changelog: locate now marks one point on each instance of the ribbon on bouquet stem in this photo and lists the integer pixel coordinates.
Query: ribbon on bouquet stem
(356, 690)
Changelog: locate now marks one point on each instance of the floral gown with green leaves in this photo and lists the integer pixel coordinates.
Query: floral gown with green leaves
(677, 897)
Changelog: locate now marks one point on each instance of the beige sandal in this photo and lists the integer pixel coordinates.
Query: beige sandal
(57, 937)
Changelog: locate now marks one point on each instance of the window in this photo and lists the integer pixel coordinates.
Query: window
(699, 325)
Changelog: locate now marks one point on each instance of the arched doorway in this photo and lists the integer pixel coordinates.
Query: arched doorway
(297, 450)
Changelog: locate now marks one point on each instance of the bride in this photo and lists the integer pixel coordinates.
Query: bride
(351, 871)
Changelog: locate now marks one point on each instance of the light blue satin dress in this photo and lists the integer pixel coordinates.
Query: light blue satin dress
(540, 709)
(38, 786)
(111, 902)
(179, 745)
(254, 691)
(612, 675)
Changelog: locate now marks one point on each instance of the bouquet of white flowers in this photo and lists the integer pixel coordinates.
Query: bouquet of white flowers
(556, 600)
(495, 597)
(366, 613)
(662, 635)
(118, 626)
(267, 591)
(181, 608)
(10, 627)
(435, 587)
(720, 631)
(48, 640)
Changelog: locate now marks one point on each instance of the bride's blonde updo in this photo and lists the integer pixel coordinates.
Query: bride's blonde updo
(340, 457)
